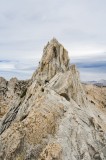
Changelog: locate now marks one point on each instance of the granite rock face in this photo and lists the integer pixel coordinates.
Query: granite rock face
(53, 116)
(10, 92)
(55, 59)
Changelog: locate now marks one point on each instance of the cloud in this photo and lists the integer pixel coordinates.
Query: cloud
(91, 67)
(26, 26)
(19, 69)
(5, 66)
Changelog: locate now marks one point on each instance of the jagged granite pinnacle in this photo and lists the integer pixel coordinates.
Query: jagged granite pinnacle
(55, 59)
(52, 116)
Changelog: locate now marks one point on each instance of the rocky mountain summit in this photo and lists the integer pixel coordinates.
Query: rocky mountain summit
(52, 116)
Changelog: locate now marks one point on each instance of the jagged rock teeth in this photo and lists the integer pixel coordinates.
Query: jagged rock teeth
(55, 59)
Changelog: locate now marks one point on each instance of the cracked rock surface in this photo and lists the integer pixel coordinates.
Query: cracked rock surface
(52, 116)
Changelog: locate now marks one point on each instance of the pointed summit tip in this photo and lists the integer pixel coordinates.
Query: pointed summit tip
(52, 43)
(55, 59)
(54, 40)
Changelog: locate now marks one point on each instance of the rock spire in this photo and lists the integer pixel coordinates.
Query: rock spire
(55, 59)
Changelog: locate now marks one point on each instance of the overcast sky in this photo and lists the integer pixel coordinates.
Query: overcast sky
(27, 25)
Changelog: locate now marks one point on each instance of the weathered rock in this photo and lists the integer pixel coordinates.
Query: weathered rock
(10, 92)
(55, 59)
(54, 116)
(69, 86)
(3, 84)
(52, 151)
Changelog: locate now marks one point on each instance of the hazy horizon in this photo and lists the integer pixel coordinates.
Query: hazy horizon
(24, 68)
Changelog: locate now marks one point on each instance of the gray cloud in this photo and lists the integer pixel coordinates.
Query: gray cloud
(17, 68)
(91, 67)
(27, 25)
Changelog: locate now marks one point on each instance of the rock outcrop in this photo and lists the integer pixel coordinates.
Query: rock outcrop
(54, 116)
(55, 59)
(10, 92)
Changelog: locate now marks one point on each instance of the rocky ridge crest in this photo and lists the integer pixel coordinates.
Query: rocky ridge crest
(56, 117)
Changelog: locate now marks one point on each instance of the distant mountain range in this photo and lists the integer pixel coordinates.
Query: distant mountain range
(100, 83)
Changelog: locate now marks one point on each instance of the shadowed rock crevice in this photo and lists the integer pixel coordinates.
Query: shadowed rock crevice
(9, 118)
(65, 96)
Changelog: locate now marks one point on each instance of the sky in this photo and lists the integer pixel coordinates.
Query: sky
(27, 25)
